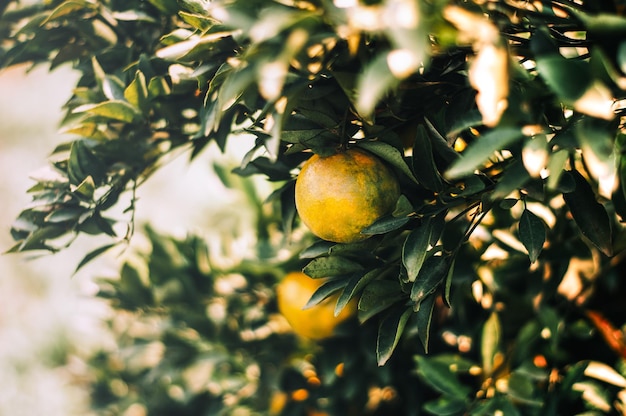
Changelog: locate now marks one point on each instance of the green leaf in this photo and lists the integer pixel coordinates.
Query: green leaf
(568, 78)
(389, 333)
(415, 248)
(375, 81)
(515, 176)
(66, 8)
(423, 162)
(93, 254)
(480, 150)
(522, 389)
(440, 377)
(590, 216)
(319, 248)
(425, 319)
(137, 93)
(376, 297)
(37, 239)
(490, 342)
(596, 139)
(445, 406)
(66, 214)
(330, 266)
(83, 163)
(432, 273)
(86, 188)
(353, 287)
(556, 165)
(389, 154)
(532, 233)
(385, 224)
(114, 110)
(325, 290)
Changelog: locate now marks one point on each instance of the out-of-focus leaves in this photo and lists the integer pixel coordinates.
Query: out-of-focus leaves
(439, 376)
(490, 342)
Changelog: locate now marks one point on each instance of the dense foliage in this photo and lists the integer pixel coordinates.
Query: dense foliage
(495, 285)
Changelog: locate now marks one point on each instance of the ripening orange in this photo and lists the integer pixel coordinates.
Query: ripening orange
(338, 196)
(318, 322)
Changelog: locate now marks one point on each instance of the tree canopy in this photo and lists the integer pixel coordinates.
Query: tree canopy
(496, 281)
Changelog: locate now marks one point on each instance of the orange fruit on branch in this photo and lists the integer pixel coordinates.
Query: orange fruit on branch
(338, 196)
(317, 322)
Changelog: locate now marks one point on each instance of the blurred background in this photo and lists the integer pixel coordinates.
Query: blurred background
(49, 317)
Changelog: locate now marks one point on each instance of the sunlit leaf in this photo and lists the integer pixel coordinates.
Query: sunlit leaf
(113, 110)
(482, 149)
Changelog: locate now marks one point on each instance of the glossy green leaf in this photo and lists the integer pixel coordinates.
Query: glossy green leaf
(532, 233)
(355, 285)
(389, 333)
(479, 151)
(385, 224)
(590, 216)
(430, 277)
(389, 154)
(415, 248)
(331, 266)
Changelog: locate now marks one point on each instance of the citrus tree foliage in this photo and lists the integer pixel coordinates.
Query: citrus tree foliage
(503, 121)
